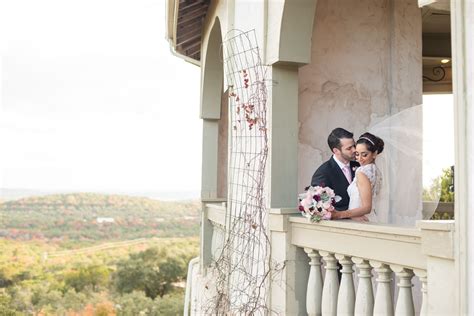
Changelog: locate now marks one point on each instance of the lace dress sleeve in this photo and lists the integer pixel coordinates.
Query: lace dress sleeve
(375, 178)
(373, 175)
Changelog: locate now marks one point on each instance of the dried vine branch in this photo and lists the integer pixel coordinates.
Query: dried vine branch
(243, 269)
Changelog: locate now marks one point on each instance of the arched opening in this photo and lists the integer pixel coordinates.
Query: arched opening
(212, 75)
(215, 122)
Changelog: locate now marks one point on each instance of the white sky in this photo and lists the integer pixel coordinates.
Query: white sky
(438, 123)
(93, 100)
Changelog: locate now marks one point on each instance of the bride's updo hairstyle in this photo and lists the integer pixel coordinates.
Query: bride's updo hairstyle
(373, 143)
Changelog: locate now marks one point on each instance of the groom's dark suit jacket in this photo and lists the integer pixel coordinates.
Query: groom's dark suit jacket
(329, 174)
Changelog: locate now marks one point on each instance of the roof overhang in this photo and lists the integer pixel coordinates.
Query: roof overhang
(185, 20)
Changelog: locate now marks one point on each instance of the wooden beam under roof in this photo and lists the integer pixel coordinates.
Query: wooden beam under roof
(190, 19)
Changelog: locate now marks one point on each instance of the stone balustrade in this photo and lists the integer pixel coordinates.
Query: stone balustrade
(342, 298)
(386, 250)
(346, 268)
(212, 232)
(201, 279)
(366, 269)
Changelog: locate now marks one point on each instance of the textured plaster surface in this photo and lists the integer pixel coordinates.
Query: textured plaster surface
(365, 65)
(223, 148)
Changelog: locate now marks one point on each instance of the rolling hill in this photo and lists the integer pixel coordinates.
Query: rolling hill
(96, 217)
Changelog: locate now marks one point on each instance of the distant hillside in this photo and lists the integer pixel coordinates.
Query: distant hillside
(91, 216)
(14, 194)
(163, 195)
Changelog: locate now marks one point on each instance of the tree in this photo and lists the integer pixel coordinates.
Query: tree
(48, 301)
(5, 306)
(92, 277)
(134, 303)
(104, 309)
(74, 301)
(137, 303)
(21, 297)
(170, 304)
(441, 188)
(5, 279)
(152, 271)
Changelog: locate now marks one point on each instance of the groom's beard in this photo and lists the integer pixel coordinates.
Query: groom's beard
(348, 158)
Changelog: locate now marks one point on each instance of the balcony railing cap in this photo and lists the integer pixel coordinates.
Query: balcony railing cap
(441, 225)
(283, 211)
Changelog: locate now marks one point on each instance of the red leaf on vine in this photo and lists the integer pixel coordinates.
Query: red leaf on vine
(249, 108)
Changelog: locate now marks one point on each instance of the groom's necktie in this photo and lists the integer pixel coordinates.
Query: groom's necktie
(347, 173)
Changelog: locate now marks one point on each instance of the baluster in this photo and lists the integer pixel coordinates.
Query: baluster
(405, 297)
(421, 274)
(214, 243)
(315, 283)
(383, 298)
(364, 303)
(331, 285)
(346, 295)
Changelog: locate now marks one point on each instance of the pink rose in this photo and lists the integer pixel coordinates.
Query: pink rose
(319, 190)
(326, 215)
(308, 200)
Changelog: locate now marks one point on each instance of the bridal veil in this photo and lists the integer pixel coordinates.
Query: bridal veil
(402, 164)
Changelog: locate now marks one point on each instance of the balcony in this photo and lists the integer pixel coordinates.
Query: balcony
(380, 255)
(385, 270)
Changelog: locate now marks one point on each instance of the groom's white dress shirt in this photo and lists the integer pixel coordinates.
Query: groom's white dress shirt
(340, 164)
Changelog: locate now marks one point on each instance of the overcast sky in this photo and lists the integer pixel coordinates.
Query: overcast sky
(93, 100)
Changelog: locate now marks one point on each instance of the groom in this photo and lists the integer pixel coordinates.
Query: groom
(338, 172)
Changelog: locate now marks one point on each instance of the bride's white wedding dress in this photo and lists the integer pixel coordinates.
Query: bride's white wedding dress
(375, 178)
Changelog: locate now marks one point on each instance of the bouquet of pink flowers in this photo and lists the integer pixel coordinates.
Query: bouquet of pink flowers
(317, 203)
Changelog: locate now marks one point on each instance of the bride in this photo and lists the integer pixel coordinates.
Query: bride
(366, 185)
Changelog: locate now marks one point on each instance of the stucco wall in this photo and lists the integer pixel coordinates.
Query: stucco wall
(223, 148)
(365, 65)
